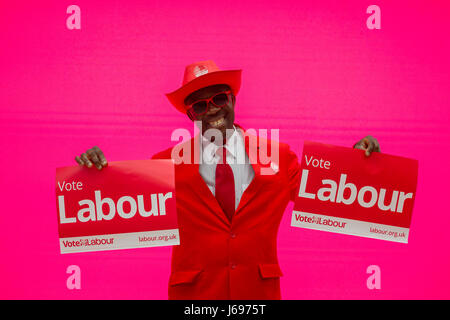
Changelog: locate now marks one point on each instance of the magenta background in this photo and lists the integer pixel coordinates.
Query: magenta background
(313, 70)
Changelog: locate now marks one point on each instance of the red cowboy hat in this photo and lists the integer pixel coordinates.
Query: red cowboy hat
(203, 74)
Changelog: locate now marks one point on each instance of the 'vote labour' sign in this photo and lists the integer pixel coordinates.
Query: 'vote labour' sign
(343, 191)
(128, 204)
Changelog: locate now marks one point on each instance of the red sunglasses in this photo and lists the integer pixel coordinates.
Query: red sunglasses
(200, 107)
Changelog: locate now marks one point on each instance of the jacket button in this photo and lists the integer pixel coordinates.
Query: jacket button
(232, 235)
(233, 266)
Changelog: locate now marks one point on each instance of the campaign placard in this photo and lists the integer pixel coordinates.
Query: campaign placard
(343, 191)
(127, 204)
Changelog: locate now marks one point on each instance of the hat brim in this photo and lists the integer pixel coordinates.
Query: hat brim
(229, 77)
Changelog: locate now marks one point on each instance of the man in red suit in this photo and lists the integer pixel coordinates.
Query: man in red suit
(229, 202)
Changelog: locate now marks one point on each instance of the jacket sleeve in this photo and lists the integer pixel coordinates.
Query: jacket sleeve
(293, 172)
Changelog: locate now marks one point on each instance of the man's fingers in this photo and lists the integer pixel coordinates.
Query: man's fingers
(377, 145)
(360, 145)
(93, 157)
(86, 160)
(79, 161)
(101, 156)
(370, 146)
(374, 146)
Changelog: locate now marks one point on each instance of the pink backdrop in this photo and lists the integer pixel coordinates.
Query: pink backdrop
(313, 70)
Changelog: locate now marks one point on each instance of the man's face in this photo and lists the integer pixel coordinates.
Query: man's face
(215, 117)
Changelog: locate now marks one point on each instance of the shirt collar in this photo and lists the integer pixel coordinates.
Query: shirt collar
(232, 145)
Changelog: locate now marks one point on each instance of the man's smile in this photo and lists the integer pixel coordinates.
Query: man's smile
(217, 120)
(217, 123)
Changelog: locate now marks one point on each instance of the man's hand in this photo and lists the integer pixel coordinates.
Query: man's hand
(93, 155)
(369, 143)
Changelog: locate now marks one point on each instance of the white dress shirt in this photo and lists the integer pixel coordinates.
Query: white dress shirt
(237, 159)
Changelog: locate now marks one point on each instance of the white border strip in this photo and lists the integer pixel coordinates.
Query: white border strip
(117, 241)
(349, 226)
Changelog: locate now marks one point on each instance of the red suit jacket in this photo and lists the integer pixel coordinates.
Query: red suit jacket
(220, 260)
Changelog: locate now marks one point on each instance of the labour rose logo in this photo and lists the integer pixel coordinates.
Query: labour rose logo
(200, 70)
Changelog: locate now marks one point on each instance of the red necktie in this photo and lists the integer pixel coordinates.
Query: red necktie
(225, 184)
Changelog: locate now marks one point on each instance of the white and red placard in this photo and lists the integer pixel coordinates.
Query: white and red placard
(343, 191)
(128, 204)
